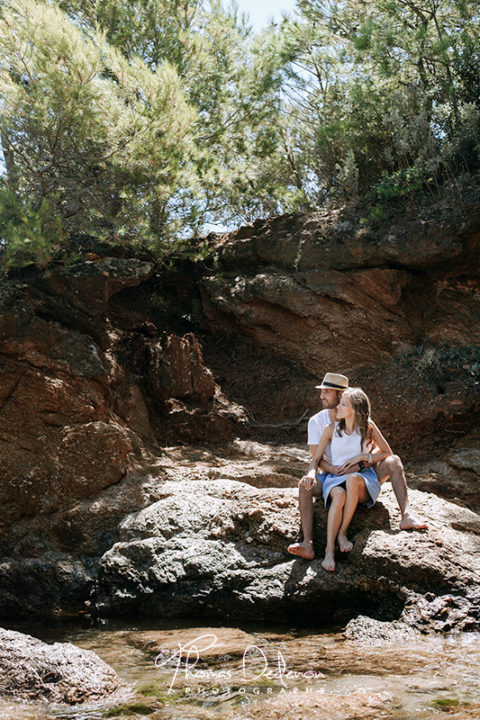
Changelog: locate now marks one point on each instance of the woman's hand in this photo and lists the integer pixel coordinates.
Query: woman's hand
(347, 466)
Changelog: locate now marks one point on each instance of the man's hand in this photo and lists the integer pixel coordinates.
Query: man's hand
(348, 467)
(307, 481)
(334, 470)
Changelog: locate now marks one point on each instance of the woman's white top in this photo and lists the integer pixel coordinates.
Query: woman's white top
(344, 447)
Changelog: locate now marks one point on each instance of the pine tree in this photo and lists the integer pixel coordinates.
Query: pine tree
(103, 139)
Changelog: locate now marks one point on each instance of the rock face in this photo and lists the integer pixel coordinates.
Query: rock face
(63, 673)
(455, 476)
(397, 310)
(81, 400)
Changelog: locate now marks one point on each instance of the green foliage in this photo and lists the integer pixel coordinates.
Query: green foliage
(378, 96)
(230, 80)
(400, 183)
(445, 703)
(131, 710)
(28, 235)
(105, 140)
(153, 690)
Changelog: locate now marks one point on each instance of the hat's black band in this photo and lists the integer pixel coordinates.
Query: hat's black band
(332, 385)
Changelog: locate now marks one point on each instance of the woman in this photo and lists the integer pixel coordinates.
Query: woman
(352, 437)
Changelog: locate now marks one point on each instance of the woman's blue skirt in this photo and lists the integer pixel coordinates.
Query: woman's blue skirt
(371, 483)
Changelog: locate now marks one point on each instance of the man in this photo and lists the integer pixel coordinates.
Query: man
(332, 387)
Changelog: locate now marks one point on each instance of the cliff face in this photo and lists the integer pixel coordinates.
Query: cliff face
(397, 311)
(111, 360)
(83, 399)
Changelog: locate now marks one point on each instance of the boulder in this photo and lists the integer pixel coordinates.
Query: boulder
(52, 583)
(205, 533)
(61, 673)
(218, 548)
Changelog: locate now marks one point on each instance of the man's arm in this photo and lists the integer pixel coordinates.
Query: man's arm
(323, 465)
(325, 438)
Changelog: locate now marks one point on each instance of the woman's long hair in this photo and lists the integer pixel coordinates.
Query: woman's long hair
(361, 406)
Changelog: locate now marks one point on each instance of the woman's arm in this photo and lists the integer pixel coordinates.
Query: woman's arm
(370, 458)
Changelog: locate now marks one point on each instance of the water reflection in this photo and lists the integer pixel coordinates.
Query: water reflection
(185, 671)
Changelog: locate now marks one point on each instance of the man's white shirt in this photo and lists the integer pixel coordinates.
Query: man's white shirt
(316, 426)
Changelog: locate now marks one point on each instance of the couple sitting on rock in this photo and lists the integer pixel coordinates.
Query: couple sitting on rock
(354, 459)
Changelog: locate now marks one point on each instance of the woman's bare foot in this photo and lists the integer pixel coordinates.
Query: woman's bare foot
(328, 563)
(344, 543)
(410, 522)
(303, 550)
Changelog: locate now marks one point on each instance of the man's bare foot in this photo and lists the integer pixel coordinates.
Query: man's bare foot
(303, 550)
(328, 563)
(344, 543)
(410, 522)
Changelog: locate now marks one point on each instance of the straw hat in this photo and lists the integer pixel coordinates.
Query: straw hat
(333, 381)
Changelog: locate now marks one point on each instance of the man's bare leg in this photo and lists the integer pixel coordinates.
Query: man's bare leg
(305, 502)
(356, 492)
(335, 516)
(392, 468)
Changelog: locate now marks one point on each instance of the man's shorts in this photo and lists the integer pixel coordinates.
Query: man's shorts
(318, 487)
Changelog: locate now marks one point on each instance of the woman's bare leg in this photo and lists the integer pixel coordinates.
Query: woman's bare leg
(356, 493)
(334, 520)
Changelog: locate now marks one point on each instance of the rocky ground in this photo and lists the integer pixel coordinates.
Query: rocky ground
(217, 547)
(206, 534)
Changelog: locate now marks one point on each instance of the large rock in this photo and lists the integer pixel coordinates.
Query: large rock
(62, 673)
(51, 560)
(206, 533)
(219, 548)
(51, 583)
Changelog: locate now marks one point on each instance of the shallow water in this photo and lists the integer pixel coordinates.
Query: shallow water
(185, 671)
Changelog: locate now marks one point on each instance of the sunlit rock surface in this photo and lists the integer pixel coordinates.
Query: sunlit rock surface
(61, 672)
(311, 706)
